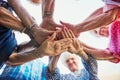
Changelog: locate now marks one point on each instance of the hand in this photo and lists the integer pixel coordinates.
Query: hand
(51, 48)
(75, 47)
(115, 60)
(41, 34)
(49, 24)
(71, 27)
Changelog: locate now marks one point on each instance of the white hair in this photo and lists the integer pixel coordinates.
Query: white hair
(66, 55)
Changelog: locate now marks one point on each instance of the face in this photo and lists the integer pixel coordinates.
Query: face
(102, 31)
(72, 64)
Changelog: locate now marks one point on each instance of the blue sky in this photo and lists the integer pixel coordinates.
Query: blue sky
(74, 11)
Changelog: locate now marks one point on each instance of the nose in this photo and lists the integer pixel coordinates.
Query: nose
(70, 61)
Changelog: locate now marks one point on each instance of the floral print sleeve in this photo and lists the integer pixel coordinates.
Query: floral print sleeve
(52, 75)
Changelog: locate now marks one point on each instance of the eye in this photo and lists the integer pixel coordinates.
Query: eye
(67, 61)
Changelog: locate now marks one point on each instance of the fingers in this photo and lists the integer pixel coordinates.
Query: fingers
(62, 45)
(71, 33)
(67, 33)
(52, 37)
(65, 41)
(66, 24)
(58, 26)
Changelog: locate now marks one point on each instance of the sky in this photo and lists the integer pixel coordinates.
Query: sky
(75, 11)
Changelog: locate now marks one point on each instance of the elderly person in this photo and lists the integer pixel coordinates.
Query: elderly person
(89, 72)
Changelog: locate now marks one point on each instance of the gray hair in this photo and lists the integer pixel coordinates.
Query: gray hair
(66, 55)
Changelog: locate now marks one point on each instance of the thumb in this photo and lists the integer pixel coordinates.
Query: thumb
(62, 22)
(51, 38)
(58, 25)
(65, 24)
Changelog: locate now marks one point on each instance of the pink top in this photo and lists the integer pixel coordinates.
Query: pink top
(110, 4)
(114, 44)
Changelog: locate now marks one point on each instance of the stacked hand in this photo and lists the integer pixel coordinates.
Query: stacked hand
(75, 47)
(50, 47)
(71, 27)
(49, 24)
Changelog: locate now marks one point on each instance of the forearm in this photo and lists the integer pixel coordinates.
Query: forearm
(53, 63)
(27, 20)
(95, 13)
(21, 12)
(97, 21)
(18, 58)
(48, 8)
(91, 67)
(99, 53)
(9, 20)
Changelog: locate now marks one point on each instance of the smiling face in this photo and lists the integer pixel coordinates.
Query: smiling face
(71, 63)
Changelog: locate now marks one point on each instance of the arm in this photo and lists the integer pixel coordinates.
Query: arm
(95, 13)
(53, 63)
(100, 54)
(91, 67)
(52, 72)
(21, 12)
(9, 20)
(81, 48)
(48, 48)
(31, 28)
(47, 15)
(95, 20)
(98, 20)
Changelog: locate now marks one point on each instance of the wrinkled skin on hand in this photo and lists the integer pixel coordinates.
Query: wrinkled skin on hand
(71, 27)
(49, 24)
(41, 34)
(51, 48)
(75, 46)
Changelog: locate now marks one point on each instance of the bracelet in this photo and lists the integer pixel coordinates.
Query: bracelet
(23, 30)
(47, 14)
(31, 26)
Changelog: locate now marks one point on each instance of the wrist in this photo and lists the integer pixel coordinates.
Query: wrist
(38, 54)
(82, 54)
(48, 14)
(30, 30)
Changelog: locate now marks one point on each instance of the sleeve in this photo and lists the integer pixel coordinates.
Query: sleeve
(91, 67)
(28, 71)
(52, 75)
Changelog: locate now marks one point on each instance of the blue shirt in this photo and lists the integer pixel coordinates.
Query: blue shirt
(28, 71)
(7, 39)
